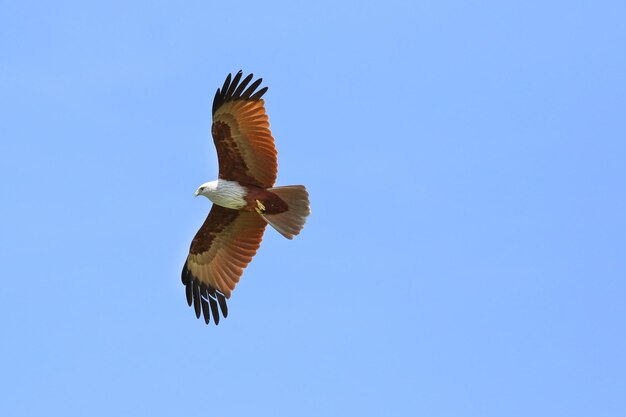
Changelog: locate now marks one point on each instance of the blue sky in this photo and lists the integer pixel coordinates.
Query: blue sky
(465, 255)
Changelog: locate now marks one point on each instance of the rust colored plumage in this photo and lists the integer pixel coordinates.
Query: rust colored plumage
(242, 136)
(272, 203)
(222, 248)
(229, 238)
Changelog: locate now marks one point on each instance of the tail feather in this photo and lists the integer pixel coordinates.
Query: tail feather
(290, 222)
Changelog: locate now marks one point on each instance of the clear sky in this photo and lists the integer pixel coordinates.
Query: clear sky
(466, 252)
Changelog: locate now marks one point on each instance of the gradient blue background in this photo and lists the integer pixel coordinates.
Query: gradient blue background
(466, 251)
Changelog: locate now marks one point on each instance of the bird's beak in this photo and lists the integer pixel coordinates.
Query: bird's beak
(197, 193)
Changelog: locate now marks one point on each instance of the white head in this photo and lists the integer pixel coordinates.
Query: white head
(224, 193)
(206, 188)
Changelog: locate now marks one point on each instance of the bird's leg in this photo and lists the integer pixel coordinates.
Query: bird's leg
(260, 207)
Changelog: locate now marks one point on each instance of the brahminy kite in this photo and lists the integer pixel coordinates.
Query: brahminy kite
(244, 198)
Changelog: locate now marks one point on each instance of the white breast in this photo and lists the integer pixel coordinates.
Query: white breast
(226, 193)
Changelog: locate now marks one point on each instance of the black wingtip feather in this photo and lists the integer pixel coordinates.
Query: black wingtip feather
(196, 299)
(259, 94)
(222, 301)
(188, 289)
(234, 84)
(226, 85)
(244, 83)
(205, 299)
(216, 100)
(204, 296)
(184, 276)
(246, 94)
(205, 311)
(214, 311)
(232, 90)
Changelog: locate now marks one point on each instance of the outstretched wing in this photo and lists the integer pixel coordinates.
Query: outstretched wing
(222, 248)
(241, 132)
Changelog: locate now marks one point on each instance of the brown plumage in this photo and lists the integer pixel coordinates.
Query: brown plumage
(244, 198)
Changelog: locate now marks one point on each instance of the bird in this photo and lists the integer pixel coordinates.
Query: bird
(244, 198)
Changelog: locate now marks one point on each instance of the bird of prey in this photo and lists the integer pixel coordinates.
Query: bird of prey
(244, 198)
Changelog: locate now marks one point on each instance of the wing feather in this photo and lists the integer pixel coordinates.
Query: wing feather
(189, 293)
(234, 84)
(246, 94)
(242, 136)
(226, 84)
(222, 302)
(222, 248)
(205, 309)
(259, 94)
(196, 299)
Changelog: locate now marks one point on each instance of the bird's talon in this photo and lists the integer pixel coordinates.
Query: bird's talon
(260, 207)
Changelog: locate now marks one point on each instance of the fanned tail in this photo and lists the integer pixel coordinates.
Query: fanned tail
(290, 222)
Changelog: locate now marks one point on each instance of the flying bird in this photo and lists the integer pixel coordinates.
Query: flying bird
(244, 198)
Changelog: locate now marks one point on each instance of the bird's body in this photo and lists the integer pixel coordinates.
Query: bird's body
(244, 199)
(232, 195)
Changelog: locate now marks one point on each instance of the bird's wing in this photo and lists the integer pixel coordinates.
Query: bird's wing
(241, 132)
(219, 252)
